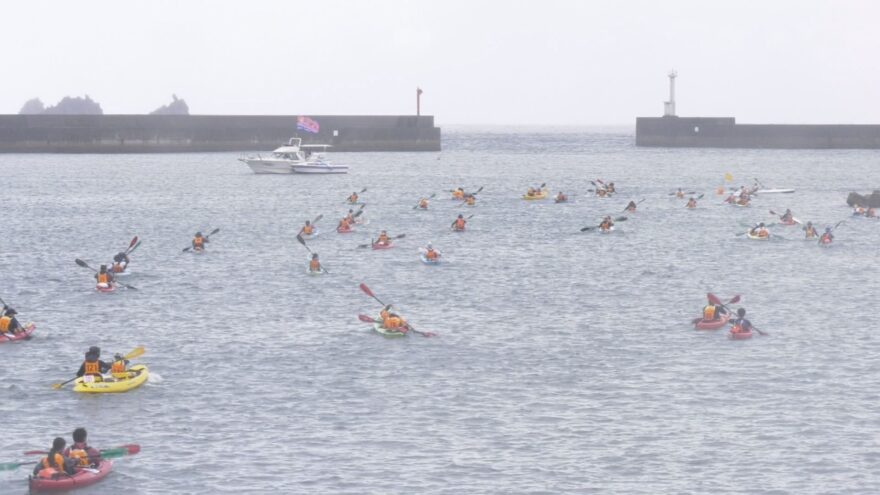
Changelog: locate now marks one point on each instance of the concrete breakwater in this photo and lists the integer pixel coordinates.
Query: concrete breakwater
(724, 132)
(204, 133)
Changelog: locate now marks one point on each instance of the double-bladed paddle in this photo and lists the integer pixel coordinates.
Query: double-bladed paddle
(86, 265)
(618, 219)
(401, 236)
(303, 242)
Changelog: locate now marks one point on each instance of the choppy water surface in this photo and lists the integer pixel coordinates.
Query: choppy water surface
(565, 361)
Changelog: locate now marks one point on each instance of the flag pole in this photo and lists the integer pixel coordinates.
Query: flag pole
(418, 101)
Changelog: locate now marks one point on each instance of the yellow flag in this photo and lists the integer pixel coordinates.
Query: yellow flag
(728, 177)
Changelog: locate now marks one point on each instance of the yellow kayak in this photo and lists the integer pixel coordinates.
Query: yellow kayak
(540, 195)
(137, 375)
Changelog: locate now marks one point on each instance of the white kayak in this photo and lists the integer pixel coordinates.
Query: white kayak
(774, 191)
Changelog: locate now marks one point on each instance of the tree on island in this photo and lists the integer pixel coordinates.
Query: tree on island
(176, 107)
(32, 107)
(67, 106)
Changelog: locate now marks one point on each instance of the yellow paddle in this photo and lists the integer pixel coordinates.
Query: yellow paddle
(137, 351)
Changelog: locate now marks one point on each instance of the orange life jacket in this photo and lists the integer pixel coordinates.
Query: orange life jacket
(679, 194)
(51, 467)
(431, 254)
(383, 239)
(307, 230)
(458, 194)
(691, 203)
(314, 265)
(392, 322)
(605, 225)
(459, 224)
(709, 312)
(103, 278)
(5, 322)
(198, 242)
(353, 198)
(423, 203)
(81, 456)
(470, 200)
(118, 268)
(117, 367)
(763, 233)
(92, 367)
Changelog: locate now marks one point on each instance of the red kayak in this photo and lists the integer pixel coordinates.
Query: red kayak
(28, 330)
(344, 231)
(83, 477)
(712, 324)
(738, 333)
(824, 241)
(377, 245)
(108, 288)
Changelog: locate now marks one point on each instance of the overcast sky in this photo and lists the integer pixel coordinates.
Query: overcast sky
(478, 62)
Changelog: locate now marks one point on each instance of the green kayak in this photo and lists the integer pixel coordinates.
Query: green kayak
(388, 333)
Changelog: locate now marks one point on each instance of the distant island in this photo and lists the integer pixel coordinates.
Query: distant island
(87, 106)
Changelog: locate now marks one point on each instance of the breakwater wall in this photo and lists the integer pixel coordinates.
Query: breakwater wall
(724, 132)
(201, 133)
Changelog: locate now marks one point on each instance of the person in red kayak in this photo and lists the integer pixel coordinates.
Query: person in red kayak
(383, 238)
(740, 323)
(55, 465)
(827, 237)
(93, 366)
(8, 323)
(713, 312)
(80, 451)
(104, 278)
(459, 223)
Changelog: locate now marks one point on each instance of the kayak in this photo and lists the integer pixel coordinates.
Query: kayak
(315, 233)
(757, 237)
(606, 231)
(346, 230)
(789, 222)
(314, 272)
(388, 333)
(105, 287)
(557, 200)
(738, 333)
(773, 191)
(540, 195)
(377, 245)
(83, 477)
(28, 330)
(362, 221)
(197, 251)
(712, 324)
(426, 261)
(824, 241)
(741, 206)
(137, 375)
(457, 230)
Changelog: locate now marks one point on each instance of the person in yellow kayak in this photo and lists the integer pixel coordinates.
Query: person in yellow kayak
(9, 324)
(560, 197)
(631, 207)
(713, 312)
(118, 368)
(199, 241)
(104, 278)
(531, 192)
(55, 465)
(692, 203)
(314, 264)
(431, 254)
(423, 203)
(353, 198)
(606, 224)
(459, 223)
(392, 321)
(458, 193)
(80, 451)
(307, 229)
(759, 230)
(93, 366)
(470, 200)
(810, 231)
(383, 238)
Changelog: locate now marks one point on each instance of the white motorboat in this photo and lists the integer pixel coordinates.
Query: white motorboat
(295, 158)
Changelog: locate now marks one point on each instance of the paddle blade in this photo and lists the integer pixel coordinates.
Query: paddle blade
(713, 298)
(300, 239)
(317, 218)
(9, 466)
(366, 290)
(363, 190)
(475, 192)
(215, 231)
(134, 240)
(620, 219)
(82, 263)
(137, 351)
(587, 228)
(366, 319)
(401, 236)
(735, 299)
(125, 450)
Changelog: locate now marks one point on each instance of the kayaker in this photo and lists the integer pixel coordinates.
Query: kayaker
(314, 264)
(606, 224)
(93, 366)
(9, 323)
(810, 231)
(743, 200)
(307, 229)
(787, 217)
(631, 207)
(610, 188)
(679, 194)
(353, 198)
(431, 254)
(55, 464)
(731, 199)
(392, 321)
(601, 192)
(117, 369)
(120, 262)
(383, 238)
(870, 213)
(759, 231)
(858, 210)
(458, 224)
(531, 192)
(713, 312)
(561, 198)
(458, 193)
(740, 323)
(470, 200)
(827, 237)
(692, 203)
(198, 242)
(423, 203)
(80, 451)
(344, 224)
(720, 191)
(350, 217)
(104, 278)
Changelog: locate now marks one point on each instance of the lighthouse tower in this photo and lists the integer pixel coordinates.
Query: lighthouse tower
(669, 106)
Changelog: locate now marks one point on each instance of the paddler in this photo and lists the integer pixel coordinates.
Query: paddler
(692, 203)
(392, 321)
(423, 203)
(120, 262)
(741, 322)
(353, 198)
(610, 188)
(787, 217)
(314, 264)
(531, 192)
(743, 200)
(383, 238)
(560, 197)
(431, 254)
(198, 242)
(80, 451)
(606, 224)
(118, 368)
(679, 194)
(104, 278)
(458, 224)
(759, 231)
(458, 193)
(631, 207)
(810, 231)
(827, 236)
(308, 228)
(731, 199)
(713, 312)
(9, 324)
(54, 465)
(93, 366)
(344, 224)
(601, 192)
(470, 200)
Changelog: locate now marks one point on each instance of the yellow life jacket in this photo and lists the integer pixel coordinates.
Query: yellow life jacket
(49, 469)
(709, 312)
(5, 322)
(92, 367)
(81, 456)
(103, 278)
(307, 230)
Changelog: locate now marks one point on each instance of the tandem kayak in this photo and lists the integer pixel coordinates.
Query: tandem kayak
(378, 245)
(386, 332)
(738, 333)
(82, 477)
(712, 324)
(540, 195)
(28, 330)
(757, 237)
(105, 287)
(137, 375)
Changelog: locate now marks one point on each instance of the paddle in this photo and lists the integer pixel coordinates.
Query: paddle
(124, 450)
(638, 203)
(186, 249)
(468, 218)
(618, 219)
(717, 301)
(132, 245)
(401, 236)
(303, 242)
(429, 197)
(86, 265)
(137, 351)
(368, 292)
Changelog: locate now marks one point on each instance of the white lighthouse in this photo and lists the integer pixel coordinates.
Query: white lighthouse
(669, 106)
